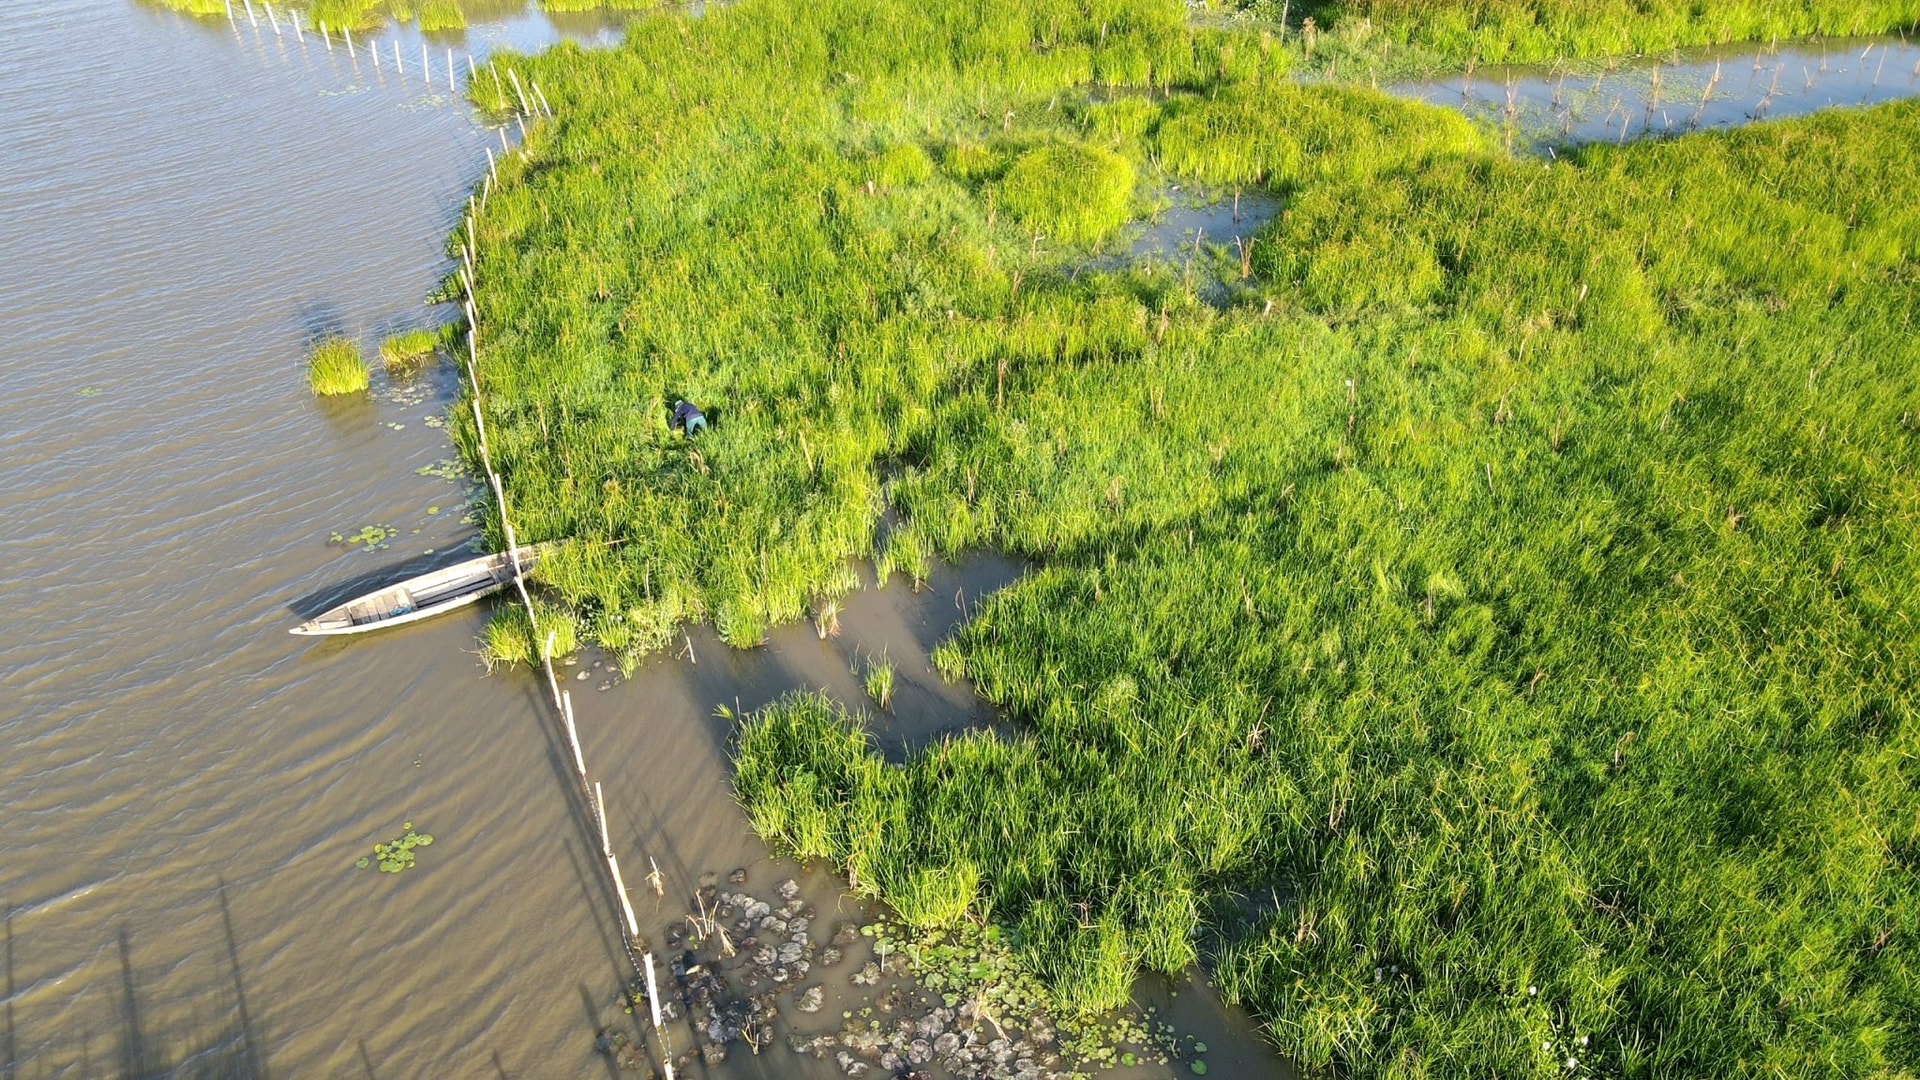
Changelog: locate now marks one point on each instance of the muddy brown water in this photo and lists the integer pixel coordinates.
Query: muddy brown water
(184, 205)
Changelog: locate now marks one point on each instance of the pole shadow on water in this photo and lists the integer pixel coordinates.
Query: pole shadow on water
(12, 1054)
(593, 1022)
(229, 1053)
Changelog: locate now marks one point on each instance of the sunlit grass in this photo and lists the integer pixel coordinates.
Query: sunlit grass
(334, 366)
(1486, 625)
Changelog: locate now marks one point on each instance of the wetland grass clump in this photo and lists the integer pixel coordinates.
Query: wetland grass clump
(334, 366)
(1483, 639)
(1073, 194)
(403, 351)
(509, 636)
(877, 678)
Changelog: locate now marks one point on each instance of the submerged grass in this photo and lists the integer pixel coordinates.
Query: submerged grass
(334, 366)
(1488, 638)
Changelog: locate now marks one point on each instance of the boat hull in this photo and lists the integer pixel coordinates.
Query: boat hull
(417, 598)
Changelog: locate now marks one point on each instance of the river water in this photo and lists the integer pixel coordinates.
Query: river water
(184, 205)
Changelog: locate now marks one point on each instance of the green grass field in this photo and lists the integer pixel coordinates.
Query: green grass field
(1485, 639)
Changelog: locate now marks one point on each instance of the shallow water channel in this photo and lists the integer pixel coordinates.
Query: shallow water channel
(1537, 108)
(184, 205)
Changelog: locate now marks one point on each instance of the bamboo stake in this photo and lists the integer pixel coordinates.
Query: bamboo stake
(499, 91)
(298, 34)
(523, 128)
(347, 33)
(375, 50)
(600, 809)
(620, 887)
(517, 92)
(271, 19)
(251, 21)
(398, 68)
(573, 732)
(426, 69)
(540, 95)
(451, 87)
(653, 993)
(471, 73)
(229, 4)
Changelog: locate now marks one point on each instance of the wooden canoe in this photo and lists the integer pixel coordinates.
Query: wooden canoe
(422, 597)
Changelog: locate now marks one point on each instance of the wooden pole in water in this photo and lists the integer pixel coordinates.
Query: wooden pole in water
(489, 151)
(346, 32)
(326, 37)
(375, 50)
(298, 34)
(600, 810)
(626, 906)
(251, 21)
(523, 128)
(471, 74)
(397, 66)
(573, 732)
(451, 84)
(229, 4)
(653, 992)
(426, 69)
(505, 146)
(271, 19)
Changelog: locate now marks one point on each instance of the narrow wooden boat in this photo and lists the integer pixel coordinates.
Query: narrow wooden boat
(421, 597)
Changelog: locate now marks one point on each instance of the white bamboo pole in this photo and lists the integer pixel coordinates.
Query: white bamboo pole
(450, 83)
(653, 992)
(298, 34)
(471, 73)
(573, 734)
(542, 95)
(375, 50)
(426, 69)
(517, 92)
(600, 811)
(229, 4)
(346, 32)
(326, 37)
(251, 21)
(271, 19)
(398, 68)
(626, 906)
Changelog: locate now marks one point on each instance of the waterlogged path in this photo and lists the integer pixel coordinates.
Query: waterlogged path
(1717, 88)
(184, 205)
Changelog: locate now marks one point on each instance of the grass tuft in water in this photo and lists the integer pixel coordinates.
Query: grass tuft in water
(401, 352)
(334, 366)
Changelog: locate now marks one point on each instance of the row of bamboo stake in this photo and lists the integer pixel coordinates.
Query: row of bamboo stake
(533, 101)
(590, 789)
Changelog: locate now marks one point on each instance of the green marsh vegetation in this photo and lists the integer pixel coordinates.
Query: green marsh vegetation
(334, 366)
(403, 352)
(1485, 640)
